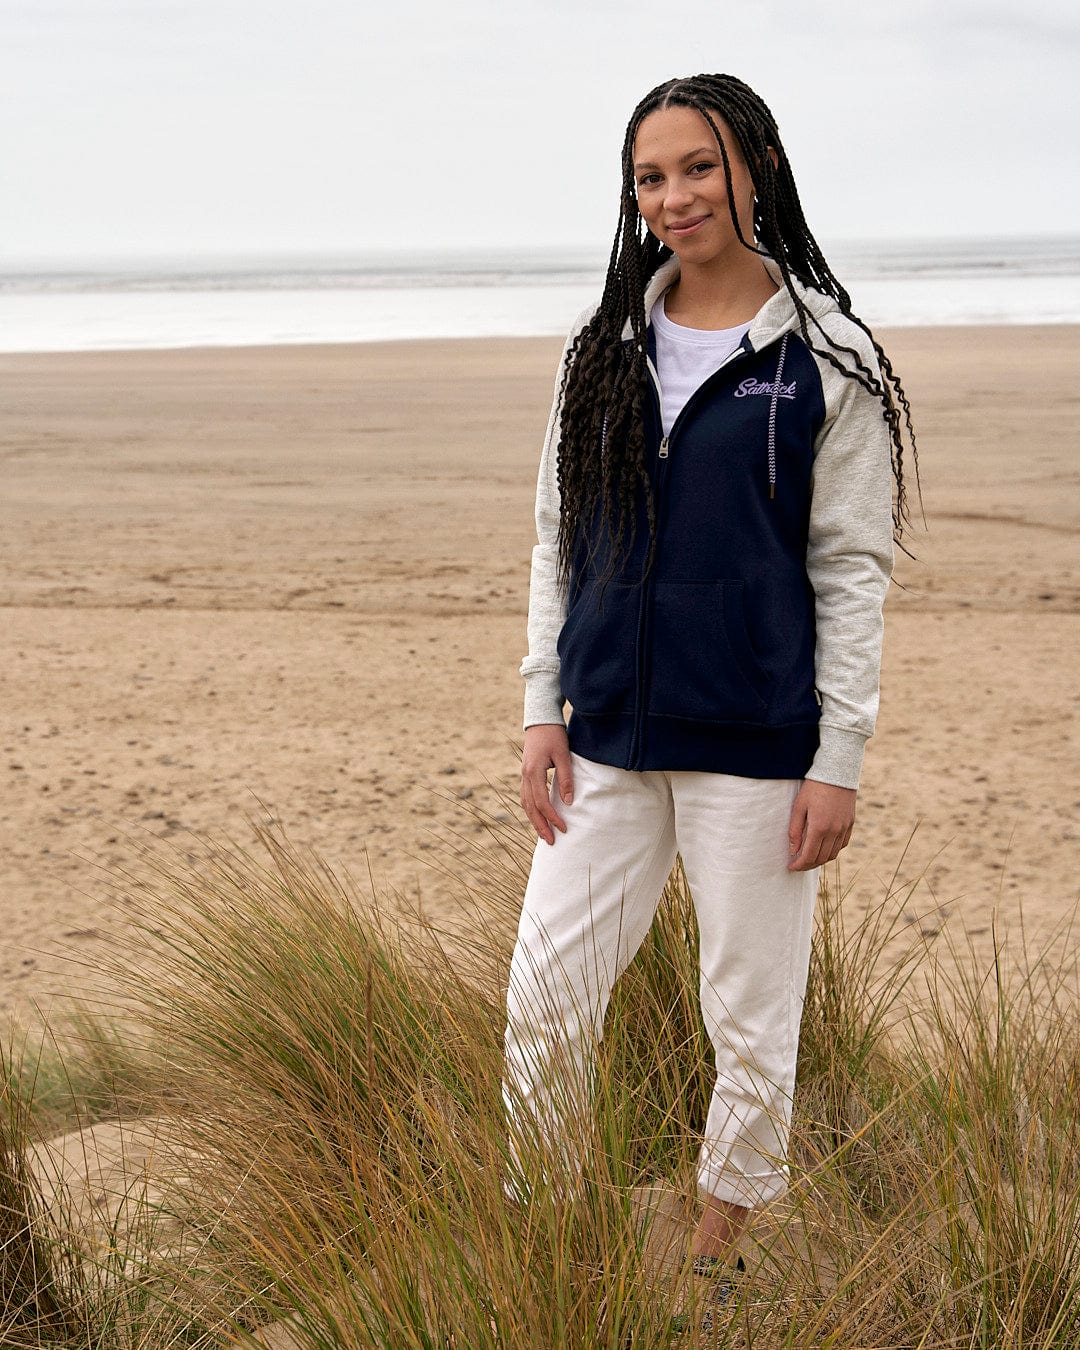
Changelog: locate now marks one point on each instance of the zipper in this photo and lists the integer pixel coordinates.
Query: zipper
(662, 453)
(665, 443)
(645, 613)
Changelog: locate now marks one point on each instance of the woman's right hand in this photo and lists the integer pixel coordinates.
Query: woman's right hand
(546, 747)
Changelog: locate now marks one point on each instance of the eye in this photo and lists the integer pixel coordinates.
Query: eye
(703, 167)
(648, 180)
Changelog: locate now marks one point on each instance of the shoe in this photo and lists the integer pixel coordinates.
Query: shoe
(724, 1281)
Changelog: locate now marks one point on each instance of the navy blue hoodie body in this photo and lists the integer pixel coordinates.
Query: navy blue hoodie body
(706, 659)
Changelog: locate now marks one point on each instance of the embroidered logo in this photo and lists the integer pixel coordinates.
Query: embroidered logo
(752, 386)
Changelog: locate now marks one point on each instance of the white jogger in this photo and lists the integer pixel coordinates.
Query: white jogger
(589, 903)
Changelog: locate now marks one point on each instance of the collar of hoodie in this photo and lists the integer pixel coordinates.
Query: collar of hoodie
(776, 318)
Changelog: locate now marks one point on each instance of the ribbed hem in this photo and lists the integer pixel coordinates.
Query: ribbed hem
(543, 698)
(839, 757)
(672, 743)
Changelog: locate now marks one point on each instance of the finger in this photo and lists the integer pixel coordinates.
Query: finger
(532, 810)
(564, 776)
(832, 846)
(809, 855)
(545, 808)
(540, 825)
(840, 841)
(796, 828)
(550, 814)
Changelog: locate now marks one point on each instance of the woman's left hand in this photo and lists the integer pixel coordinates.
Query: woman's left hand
(821, 822)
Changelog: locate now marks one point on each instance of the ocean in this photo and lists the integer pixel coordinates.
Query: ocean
(194, 302)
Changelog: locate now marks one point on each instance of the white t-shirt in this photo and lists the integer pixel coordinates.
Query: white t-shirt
(686, 357)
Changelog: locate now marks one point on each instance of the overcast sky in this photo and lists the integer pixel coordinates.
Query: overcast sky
(143, 127)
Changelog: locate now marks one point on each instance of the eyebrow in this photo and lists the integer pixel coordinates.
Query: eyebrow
(702, 150)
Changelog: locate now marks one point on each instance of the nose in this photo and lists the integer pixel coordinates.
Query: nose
(679, 194)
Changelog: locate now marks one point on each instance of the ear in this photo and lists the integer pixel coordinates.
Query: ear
(772, 155)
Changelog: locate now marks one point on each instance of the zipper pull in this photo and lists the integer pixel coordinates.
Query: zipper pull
(663, 453)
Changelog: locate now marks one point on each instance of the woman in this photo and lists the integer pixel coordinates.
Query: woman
(715, 522)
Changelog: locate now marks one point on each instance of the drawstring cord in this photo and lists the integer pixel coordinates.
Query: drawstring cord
(772, 415)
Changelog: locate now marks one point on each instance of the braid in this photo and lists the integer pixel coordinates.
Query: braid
(602, 473)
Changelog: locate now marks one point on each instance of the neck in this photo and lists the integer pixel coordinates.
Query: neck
(720, 294)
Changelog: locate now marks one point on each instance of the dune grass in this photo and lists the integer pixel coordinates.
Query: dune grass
(332, 1080)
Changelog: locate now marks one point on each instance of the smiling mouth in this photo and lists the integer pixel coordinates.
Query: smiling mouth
(687, 226)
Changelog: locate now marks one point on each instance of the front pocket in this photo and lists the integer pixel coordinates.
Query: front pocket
(702, 663)
(598, 650)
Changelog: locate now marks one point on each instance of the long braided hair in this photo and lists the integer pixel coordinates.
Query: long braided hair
(602, 475)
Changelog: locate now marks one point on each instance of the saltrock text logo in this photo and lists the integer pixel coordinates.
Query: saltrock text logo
(752, 386)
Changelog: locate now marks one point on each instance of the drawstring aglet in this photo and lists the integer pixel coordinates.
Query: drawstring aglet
(772, 491)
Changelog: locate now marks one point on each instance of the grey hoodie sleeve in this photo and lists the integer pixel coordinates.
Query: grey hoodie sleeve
(547, 599)
(849, 559)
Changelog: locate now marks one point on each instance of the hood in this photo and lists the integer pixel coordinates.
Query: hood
(776, 316)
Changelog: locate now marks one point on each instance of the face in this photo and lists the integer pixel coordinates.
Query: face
(681, 188)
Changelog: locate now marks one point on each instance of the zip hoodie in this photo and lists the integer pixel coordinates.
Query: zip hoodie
(753, 644)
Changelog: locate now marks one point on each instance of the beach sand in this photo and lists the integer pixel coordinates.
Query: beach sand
(291, 582)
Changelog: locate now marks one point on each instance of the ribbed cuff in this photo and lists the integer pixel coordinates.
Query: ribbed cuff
(839, 757)
(543, 698)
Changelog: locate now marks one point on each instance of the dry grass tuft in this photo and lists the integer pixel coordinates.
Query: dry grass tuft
(332, 1079)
